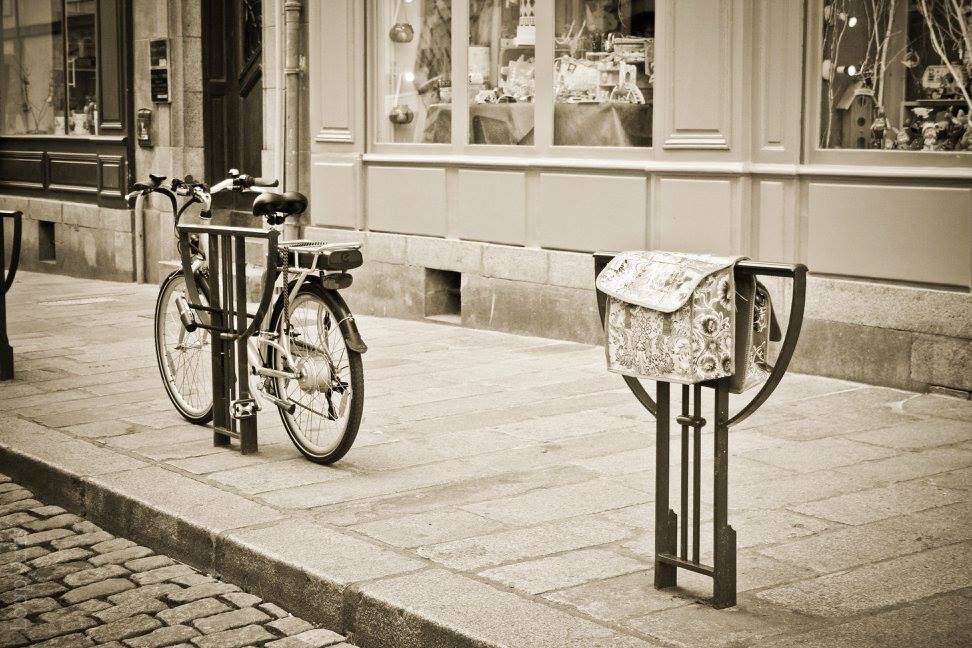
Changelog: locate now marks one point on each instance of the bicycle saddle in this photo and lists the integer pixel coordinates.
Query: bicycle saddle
(290, 204)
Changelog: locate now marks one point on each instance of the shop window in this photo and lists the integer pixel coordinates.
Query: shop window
(50, 71)
(415, 70)
(502, 46)
(603, 72)
(896, 75)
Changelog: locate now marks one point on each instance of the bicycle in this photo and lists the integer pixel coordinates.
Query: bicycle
(304, 355)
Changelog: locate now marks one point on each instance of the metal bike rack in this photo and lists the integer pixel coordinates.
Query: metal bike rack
(6, 351)
(226, 317)
(672, 540)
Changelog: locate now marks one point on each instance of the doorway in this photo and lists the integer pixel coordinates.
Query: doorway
(232, 56)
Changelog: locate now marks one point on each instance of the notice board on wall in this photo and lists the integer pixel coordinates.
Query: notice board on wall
(159, 70)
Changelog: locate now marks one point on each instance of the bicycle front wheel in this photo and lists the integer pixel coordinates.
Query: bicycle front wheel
(185, 359)
(328, 388)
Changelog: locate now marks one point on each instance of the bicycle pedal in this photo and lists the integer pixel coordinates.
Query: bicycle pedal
(243, 408)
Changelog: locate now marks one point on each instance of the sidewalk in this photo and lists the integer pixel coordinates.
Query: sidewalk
(500, 491)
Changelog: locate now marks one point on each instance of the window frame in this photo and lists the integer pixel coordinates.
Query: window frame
(815, 154)
(543, 104)
(91, 168)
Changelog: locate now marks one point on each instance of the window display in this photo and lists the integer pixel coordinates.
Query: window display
(502, 44)
(33, 77)
(896, 75)
(415, 70)
(604, 72)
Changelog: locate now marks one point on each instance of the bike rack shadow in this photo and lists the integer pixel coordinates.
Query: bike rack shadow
(220, 306)
(671, 541)
(6, 351)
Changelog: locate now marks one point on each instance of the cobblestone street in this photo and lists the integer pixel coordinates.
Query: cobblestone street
(500, 493)
(66, 583)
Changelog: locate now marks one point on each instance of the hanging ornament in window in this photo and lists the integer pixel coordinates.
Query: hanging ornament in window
(401, 31)
(911, 59)
(401, 113)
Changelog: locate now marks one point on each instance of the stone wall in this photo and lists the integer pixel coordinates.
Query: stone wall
(910, 338)
(89, 241)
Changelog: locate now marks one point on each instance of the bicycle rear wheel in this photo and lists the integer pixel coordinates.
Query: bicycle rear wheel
(184, 358)
(329, 392)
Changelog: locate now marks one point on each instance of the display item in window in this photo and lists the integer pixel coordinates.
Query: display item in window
(402, 31)
(882, 60)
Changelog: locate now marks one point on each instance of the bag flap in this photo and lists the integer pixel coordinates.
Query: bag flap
(661, 281)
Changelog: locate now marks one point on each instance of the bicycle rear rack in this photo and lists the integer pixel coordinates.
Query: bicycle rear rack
(6, 351)
(226, 317)
(671, 540)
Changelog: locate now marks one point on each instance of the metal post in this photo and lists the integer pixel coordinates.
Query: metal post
(684, 472)
(724, 591)
(220, 401)
(696, 468)
(665, 518)
(229, 362)
(6, 351)
(247, 424)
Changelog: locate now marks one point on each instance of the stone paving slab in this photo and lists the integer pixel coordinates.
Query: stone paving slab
(500, 493)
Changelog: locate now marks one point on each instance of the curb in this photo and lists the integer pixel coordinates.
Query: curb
(318, 599)
(376, 597)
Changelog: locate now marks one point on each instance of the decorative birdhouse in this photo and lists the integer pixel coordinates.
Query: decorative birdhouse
(858, 112)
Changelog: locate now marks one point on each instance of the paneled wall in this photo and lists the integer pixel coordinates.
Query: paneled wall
(724, 176)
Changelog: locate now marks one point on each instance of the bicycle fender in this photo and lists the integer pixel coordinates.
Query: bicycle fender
(349, 329)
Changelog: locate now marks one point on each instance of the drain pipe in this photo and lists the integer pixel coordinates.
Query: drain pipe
(291, 116)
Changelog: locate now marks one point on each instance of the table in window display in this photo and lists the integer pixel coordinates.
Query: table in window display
(415, 65)
(896, 75)
(604, 72)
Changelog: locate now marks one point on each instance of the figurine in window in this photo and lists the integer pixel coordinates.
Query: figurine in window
(878, 129)
(929, 136)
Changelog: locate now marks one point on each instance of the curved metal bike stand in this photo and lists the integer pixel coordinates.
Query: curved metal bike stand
(671, 540)
(224, 314)
(6, 351)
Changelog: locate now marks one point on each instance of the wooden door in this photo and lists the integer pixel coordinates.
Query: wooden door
(232, 48)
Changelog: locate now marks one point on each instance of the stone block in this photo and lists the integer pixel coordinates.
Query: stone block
(235, 638)
(438, 608)
(14, 203)
(176, 514)
(855, 352)
(53, 463)
(571, 270)
(943, 361)
(569, 314)
(444, 254)
(117, 220)
(192, 72)
(231, 619)
(515, 263)
(44, 210)
(890, 306)
(565, 570)
(387, 290)
(193, 114)
(315, 638)
(194, 610)
(501, 305)
(81, 215)
(883, 584)
(282, 562)
(100, 589)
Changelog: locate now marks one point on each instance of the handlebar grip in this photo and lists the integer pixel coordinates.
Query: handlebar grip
(263, 182)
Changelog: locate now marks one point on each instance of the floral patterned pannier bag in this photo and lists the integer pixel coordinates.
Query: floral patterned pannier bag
(686, 318)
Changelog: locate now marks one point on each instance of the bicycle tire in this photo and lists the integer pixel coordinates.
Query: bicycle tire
(200, 379)
(338, 446)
